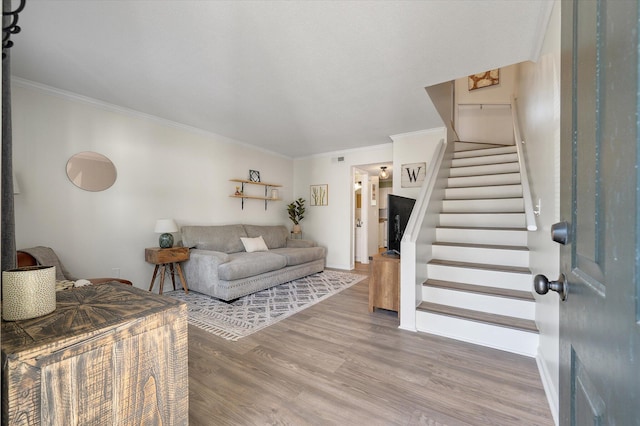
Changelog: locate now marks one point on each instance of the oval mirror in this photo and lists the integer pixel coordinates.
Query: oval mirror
(91, 171)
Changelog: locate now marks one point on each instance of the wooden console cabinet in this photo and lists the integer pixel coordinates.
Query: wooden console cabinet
(109, 354)
(384, 283)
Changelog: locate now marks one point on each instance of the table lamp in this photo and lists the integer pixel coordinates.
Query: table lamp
(165, 227)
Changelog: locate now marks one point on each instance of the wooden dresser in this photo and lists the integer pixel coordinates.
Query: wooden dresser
(384, 282)
(109, 354)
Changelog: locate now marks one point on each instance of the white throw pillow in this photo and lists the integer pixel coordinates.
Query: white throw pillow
(254, 244)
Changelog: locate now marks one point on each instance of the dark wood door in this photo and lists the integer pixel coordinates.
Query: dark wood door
(599, 321)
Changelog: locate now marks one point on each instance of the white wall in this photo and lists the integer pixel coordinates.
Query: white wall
(498, 94)
(486, 123)
(414, 147)
(164, 171)
(538, 99)
(332, 225)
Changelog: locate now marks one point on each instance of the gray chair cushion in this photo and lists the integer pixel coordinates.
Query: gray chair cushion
(243, 265)
(274, 236)
(298, 256)
(224, 238)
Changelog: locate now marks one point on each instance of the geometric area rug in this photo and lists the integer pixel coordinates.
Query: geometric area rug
(256, 311)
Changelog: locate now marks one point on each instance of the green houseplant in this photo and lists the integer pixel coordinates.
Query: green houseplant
(296, 213)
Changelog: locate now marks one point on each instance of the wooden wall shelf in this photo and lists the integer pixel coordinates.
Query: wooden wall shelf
(266, 185)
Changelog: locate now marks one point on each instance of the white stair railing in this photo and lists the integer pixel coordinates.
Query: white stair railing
(526, 190)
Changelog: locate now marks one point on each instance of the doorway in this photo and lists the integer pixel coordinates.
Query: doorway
(369, 209)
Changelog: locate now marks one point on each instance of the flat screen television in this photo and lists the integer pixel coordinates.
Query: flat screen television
(399, 211)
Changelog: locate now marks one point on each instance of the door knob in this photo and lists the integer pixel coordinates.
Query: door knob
(542, 285)
(561, 233)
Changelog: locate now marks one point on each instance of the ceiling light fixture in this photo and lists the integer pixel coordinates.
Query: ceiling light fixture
(384, 174)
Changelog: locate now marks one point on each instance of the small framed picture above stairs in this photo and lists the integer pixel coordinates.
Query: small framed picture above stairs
(479, 286)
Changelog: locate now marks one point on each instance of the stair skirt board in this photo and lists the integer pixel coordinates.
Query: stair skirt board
(485, 151)
(487, 169)
(485, 160)
(480, 220)
(497, 337)
(478, 254)
(483, 192)
(498, 205)
(495, 278)
(516, 308)
(509, 237)
(484, 180)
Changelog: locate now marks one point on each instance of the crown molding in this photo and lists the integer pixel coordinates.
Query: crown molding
(75, 97)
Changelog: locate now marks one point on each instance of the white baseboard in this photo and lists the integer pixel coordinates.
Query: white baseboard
(549, 388)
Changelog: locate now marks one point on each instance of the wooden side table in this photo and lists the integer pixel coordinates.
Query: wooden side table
(162, 257)
(384, 283)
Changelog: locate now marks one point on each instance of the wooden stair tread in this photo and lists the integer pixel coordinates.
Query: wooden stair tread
(487, 246)
(488, 145)
(486, 154)
(480, 199)
(484, 317)
(520, 212)
(484, 174)
(485, 186)
(481, 228)
(480, 289)
(498, 268)
(483, 165)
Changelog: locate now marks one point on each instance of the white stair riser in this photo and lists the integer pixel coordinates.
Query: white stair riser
(482, 236)
(466, 146)
(484, 170)
(507, 220)
(479, 192)
(485, 159)
(488, 151)
(509, 280)
(503, 338)
(499, 179)
(525, 309)
(482, 255)
(503, 205)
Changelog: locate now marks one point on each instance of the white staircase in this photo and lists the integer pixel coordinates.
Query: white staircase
(479, 286)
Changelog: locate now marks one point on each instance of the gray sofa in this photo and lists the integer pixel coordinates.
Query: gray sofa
(219, 266)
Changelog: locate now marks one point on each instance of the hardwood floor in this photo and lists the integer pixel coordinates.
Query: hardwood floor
(335, 363)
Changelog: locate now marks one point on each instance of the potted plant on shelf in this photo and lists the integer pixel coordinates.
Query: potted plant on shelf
(296, 214)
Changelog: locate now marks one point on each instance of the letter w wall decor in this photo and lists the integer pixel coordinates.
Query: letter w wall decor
(413, 175)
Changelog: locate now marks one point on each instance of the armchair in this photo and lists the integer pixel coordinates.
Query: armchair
(46, 256)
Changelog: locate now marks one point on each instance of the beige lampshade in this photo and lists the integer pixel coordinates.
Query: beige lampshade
(28, 292)
(165, 226)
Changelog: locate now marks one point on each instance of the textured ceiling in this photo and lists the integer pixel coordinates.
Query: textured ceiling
(294, 77)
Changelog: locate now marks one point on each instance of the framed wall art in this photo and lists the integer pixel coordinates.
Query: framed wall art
(413, 175)
(374, 194)
(254, 176)
(319, 195)
(484, 79)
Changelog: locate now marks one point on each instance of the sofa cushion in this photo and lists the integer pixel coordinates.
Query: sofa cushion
(243, 265)
(254, 244)
(298, 256)
(274, 236)
(225, 238)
